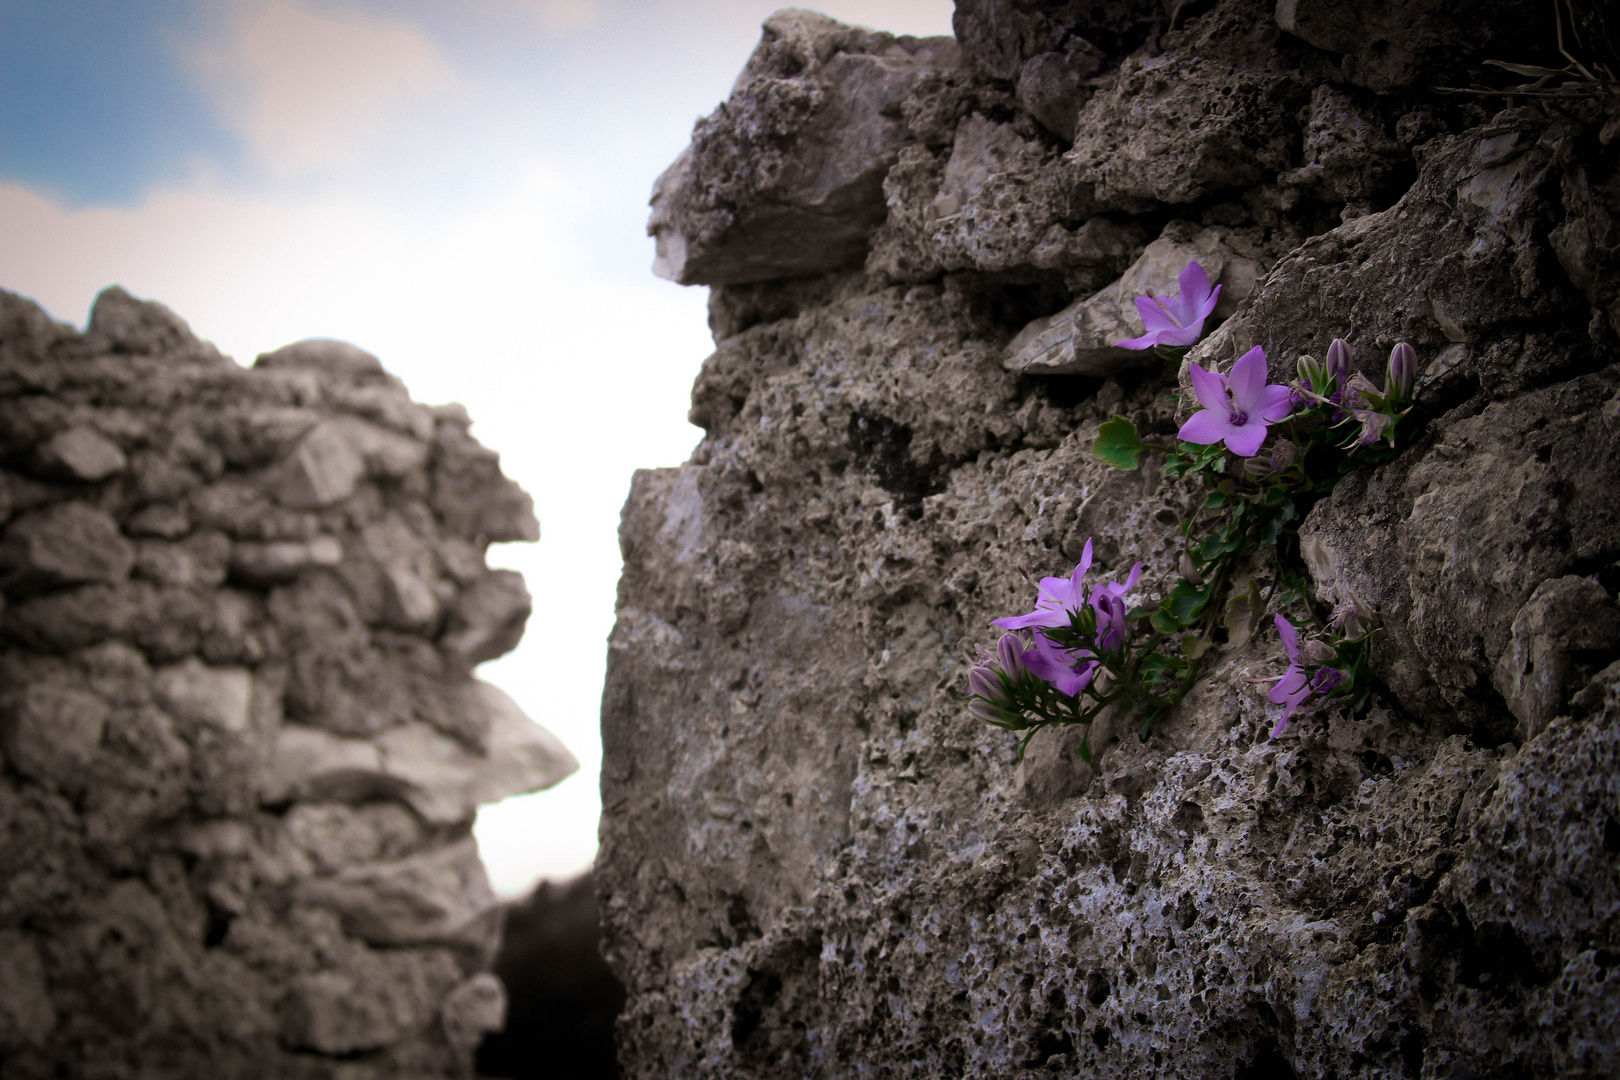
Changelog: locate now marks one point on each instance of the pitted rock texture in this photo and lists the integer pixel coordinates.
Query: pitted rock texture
(815, 863)
(240, 742)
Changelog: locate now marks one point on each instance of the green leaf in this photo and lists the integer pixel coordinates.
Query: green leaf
(1185, 601)
(1243, 611)
(1118, 444)
(1194, 645)
(1164, 623)
(1223, 542)
(1160, 668)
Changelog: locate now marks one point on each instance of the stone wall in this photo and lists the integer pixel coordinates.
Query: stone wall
(815, 863)
(242, 744)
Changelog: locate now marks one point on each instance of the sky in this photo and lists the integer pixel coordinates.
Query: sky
(458, 186)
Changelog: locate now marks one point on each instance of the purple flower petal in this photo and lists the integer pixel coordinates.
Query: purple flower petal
(1155, 317)
(1274, 404)
(1195, 292)
(1290, 637)
(1206, 427)
(1245, 440)
(1209, 387)
(1248, 379)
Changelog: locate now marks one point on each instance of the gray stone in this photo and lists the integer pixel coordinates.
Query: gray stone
(445, 782)
(126, 324)
(438, 777)
(65, 544)
(1384, 48)
(323, 355)
(283, 560)
(1052, 87)
(323, 469)
(487, 618)
(82, 453)
(439, 897)
(158, 814)
(1539, 669)
(385, 998)
(1447, 549)
(1000, 200)
(220, 697)
(474, 1009)
(27, 1016)
(1179, 126)
(309, 763)
(469, 493)
(52, 732)
(786, 178)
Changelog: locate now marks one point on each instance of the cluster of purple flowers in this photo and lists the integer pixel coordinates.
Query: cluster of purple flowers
(1075, 642)
(1062, 643)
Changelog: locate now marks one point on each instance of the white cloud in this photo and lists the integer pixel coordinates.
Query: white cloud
(555, 15)
(922, 18)
(310, 91)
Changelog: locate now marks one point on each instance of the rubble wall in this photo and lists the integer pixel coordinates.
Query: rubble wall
(242, 743)
(816, 863)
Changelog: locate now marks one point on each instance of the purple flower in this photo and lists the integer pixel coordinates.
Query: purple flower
(1238, 408)
(1108, 601)
(1296, 683)
(1177, 323)
(1069, 671)
(1058, 598)
(1293, 686)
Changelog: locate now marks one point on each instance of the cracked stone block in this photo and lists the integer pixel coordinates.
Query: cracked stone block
(1540, 668)
(65, 544)
(82, 453)
(786, 178)
(52, 732)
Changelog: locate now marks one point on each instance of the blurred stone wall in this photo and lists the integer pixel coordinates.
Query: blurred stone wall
(242, 745)
(815, 863)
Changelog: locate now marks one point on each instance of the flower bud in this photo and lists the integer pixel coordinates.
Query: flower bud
(1338, 362)
(1284, 455)
(1257, 468)
(1310, 371)
(986, 683)
(1001, 718)
(1010, 651)
(1402, 372)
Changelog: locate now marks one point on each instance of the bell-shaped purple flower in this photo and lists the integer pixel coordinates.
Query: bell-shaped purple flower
(1293, 686)
(1179, 322)
(1058, 598)
(1236, 408)
(1068, 670)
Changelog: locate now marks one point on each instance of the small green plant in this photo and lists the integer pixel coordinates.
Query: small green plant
(1078, 653)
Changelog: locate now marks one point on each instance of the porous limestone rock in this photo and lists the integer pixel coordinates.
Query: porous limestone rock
(786, 178)
(240, 741)
(815, 863)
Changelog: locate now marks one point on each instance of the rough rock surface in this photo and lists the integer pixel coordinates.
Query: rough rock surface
(816, 864)
(240, 745)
